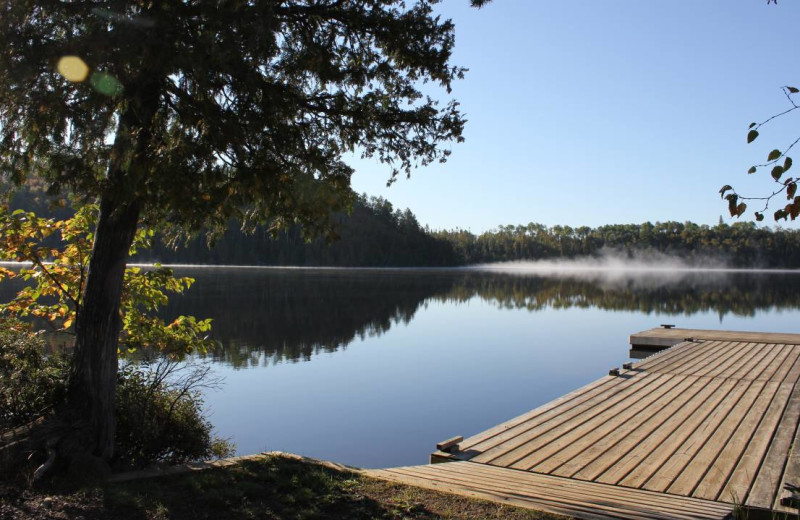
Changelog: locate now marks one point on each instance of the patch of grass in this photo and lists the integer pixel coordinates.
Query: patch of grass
(274, 488)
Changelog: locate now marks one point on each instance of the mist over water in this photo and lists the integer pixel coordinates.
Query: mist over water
(619, 265)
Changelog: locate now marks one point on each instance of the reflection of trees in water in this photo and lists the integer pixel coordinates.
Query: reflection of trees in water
(267, 316)
(687, 293)
(273, 315)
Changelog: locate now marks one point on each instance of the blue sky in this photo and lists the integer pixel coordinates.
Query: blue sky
(598, 112)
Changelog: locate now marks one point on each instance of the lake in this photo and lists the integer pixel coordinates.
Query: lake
(372, 367)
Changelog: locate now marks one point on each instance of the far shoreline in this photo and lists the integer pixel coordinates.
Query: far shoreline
(531, 267)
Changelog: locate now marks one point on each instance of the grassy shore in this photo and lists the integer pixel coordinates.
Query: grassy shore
(274, 487)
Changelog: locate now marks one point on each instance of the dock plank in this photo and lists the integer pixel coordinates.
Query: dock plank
(692, 473)
(767, 483)
(676, 335)
(791, 474)
(712, 418)
(625, 419)
(518, 440)
(744, 351)
(729, 357)
(767, 360)
(733, 449)
(533, 441)
(744, 475)
(621, 453)
(681, 355)
(648, 457)
(564, 496)
(516, 478)
(502, 432)
(660, 477)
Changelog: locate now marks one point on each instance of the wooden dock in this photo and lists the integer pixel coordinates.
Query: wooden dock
(698, 430)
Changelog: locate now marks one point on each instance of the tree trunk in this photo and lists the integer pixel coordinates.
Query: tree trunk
(93, 379)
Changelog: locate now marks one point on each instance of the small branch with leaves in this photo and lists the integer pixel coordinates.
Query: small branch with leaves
(53, 256)
(779, 163)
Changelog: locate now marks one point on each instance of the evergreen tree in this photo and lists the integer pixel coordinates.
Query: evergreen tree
(190, 113)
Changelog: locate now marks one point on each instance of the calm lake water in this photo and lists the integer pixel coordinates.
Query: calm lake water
(372, 367)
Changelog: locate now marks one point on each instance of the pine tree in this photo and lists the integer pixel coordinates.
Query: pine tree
(185, 114)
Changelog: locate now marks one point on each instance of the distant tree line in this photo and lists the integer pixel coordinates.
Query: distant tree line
(373, 234)
(376, 234)
(741, 244)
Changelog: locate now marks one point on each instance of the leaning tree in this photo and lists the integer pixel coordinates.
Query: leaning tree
(185, 114)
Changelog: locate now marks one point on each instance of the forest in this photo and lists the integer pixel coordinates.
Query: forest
(376, 234)
(741, 244)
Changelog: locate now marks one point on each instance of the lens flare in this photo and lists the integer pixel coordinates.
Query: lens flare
(73, 69)
(106, 84)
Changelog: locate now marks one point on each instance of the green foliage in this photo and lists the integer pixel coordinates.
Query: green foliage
(200, 112)
(159, 415)
(56, 254)
(31, 383)
(158, 419)
(159, 409)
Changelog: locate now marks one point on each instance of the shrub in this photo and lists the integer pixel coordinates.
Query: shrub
(159, 408)
(159, 415)
(31, 383)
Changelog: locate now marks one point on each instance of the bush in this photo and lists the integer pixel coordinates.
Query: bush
(159, 409)
(159, 415)
(31, 383)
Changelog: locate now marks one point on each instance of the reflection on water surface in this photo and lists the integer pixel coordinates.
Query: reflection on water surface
(270, 315)
(373, 367)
